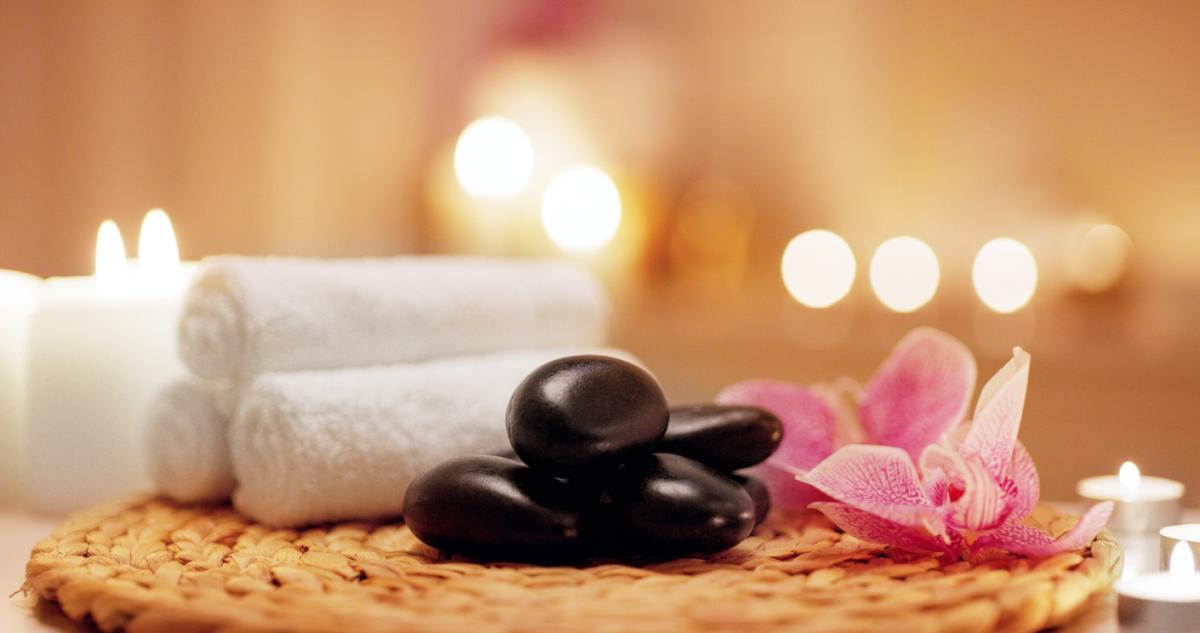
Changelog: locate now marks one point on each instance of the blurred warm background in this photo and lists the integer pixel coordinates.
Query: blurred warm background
(726, 129)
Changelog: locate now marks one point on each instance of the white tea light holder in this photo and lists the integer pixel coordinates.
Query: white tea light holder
(1162, 602)
(1141, 504)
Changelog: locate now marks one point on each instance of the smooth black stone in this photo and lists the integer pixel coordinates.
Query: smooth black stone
(665, 506)
(726, 437)
(759, 493)
(496, 508)
(580, 414)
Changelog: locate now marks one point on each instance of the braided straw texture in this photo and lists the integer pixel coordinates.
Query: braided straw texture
(149, 565)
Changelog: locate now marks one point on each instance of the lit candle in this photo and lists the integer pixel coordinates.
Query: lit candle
(99, 347)
(18, 293)
(1172, 536)
(1143, 504)
(1162, 602)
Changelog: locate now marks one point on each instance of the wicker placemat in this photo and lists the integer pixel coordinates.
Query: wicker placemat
(149, 565)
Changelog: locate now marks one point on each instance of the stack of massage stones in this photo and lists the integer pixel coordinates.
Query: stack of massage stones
(601, 468)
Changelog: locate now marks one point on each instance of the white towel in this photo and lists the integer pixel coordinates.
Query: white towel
(328, 445)
(187, 449)
(246, 316)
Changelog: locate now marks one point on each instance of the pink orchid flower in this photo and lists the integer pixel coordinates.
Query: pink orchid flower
(965, 489)
(918, 394)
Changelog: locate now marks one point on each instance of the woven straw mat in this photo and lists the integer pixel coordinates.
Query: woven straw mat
(150, 565)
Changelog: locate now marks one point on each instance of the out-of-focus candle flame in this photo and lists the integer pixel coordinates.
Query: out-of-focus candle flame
(158, 252)
(1096, 258)
(1182, 564)
(493, 158)
(581, 208)
(110, 255)
(904, 273)
(1129, 478)
(1005, 275)
(818, 268)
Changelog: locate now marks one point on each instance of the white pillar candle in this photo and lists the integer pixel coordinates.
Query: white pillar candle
(99, 347)
(17, 296)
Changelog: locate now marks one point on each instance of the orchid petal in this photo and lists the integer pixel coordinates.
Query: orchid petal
(937, 486)
(874, 529)
(842, 396)
(1024, 475)
(881, 480)
(942, 456)
(985, 503)
(786, 492)
(809, 424)
(1029, 541)
(942, 469)
(921, 391)
(998, 415)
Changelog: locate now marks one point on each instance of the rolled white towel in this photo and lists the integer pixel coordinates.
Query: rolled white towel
(344, 444)
(246, 316)
(187, 445)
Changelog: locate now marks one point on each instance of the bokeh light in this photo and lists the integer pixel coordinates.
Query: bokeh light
(1096, 257)
(904, 273)
(1005, 275)
(493, 158)
(714, 221)
(581, 208)
(818, 268)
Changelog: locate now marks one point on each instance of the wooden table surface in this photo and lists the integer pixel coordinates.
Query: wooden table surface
(20, 531)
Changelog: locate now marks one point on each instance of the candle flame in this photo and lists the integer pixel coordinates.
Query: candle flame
(158, 252)
(1130, 478)
(1182, 565)
(110, 254)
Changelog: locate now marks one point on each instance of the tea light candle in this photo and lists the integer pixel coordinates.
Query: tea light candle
(1163, 602)
(1173, 536)
(1143, 504)
(98, 348)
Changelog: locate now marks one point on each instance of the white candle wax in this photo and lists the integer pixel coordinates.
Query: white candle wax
(1151, 489)
(97, 355)
(17, 297)
(1142, 504)
(1189, 532)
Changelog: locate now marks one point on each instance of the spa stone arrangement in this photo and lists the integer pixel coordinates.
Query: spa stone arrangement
(610, 473)
(446, 443)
